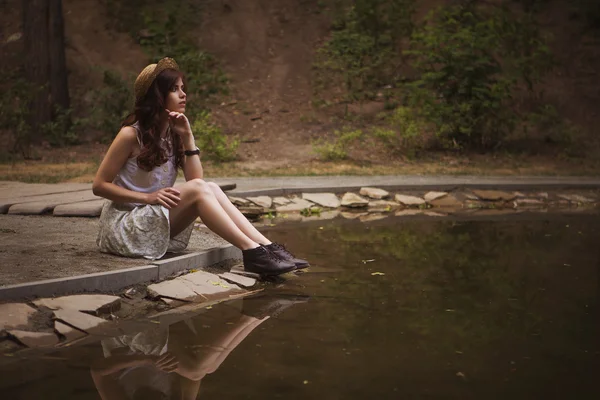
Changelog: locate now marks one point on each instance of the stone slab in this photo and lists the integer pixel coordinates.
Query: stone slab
(373, 193)
(205, 283)
(79, 320)
(296, 204)
(174, 289)
(353, 200)
(94, 303)
(262, 201)
(13, 189)
(15, 315)
(281, 201)
(409, 200)
(382, 205)
(98, 282)
(243, 281)
(68, 332)
(35, 339)
(329, 200)
(446, 201)
(170, 266)
(430, 196)
(494, 195)
(239, 270)
(42, 204)
(91, 208)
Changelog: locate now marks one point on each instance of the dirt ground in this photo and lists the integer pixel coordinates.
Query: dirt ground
(64, 247)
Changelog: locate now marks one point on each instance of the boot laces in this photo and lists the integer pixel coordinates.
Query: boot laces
(280, 247)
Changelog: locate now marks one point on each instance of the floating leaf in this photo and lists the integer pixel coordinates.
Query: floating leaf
(377, 273)
(367, 261)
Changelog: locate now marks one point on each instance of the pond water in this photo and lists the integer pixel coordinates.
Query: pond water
(394, 309)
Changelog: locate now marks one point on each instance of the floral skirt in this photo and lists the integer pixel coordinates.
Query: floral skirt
(139, 231)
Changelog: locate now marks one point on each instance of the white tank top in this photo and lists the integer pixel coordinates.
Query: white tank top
(132, 177)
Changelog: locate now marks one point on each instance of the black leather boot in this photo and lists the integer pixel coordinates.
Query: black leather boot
(284, 254)
(262, 261)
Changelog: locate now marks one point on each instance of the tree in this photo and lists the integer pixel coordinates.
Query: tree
(45, 64)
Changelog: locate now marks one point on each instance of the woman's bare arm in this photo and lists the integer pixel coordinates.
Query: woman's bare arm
(192, 166)
(118, 153)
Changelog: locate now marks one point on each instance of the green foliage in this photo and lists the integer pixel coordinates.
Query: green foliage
(14, 109)
(555, 129)
(211, 140)
(309, 211)
(361, 54)
(406, 132)
(469, 61)
(337, 149)
(112, 102)
(61, 130)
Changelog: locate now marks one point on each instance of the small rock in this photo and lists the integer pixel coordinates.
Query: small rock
(15, 315)
(94, 303)
(35, 339)
(519, 195)
(263, 201)
(543, 195)
(281, 201)
(297, 204)
(80, 320)
(243, 281)
(446, 201)
(329, 200)
(409, 200)
(382, 205)
(429, 197)
(494, 195)
(238, 201)
(353, 200)
(374, 193)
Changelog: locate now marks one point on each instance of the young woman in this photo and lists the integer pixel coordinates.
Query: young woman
(146, 216)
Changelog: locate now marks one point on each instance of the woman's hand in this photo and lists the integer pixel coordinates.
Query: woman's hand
(180, 124)
(168, 197)
(167, 362)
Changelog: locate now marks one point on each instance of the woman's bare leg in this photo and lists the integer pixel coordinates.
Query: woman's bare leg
(237, 217)
(198, 200)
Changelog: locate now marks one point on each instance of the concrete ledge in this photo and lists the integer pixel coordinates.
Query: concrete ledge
(201, 259)
(115, 280)
(99, 282)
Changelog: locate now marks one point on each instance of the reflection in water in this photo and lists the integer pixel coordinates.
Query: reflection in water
(170, 362)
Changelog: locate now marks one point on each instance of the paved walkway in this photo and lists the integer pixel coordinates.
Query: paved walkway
(76, 199)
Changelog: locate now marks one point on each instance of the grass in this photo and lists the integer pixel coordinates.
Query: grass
(82, 171)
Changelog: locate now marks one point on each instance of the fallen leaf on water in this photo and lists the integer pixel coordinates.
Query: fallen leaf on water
(461, 375)
(305, 382)
(320, 227)
(377, 273)
(367, 261)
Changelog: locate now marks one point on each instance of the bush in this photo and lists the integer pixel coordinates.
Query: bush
(406, 132)
(337, 149)
(362, 53)
(463, 88)
(211, 140)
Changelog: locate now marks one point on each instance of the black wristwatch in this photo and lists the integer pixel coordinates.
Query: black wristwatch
(192, 152)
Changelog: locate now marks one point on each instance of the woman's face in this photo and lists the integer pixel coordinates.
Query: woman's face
(175, 100)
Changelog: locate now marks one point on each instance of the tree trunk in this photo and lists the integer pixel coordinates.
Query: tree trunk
(37, 71)
(59, 88)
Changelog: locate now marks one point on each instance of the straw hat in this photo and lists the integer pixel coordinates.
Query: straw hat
(148, 74)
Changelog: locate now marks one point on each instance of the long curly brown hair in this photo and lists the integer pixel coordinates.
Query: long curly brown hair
(147, 113)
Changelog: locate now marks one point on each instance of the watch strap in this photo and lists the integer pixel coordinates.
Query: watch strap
(192, 152)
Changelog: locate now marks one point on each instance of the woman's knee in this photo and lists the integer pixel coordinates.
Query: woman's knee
(214, 187)
(199, 187)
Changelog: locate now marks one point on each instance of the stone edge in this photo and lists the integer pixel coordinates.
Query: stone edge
(111, 281)
(283, 191)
